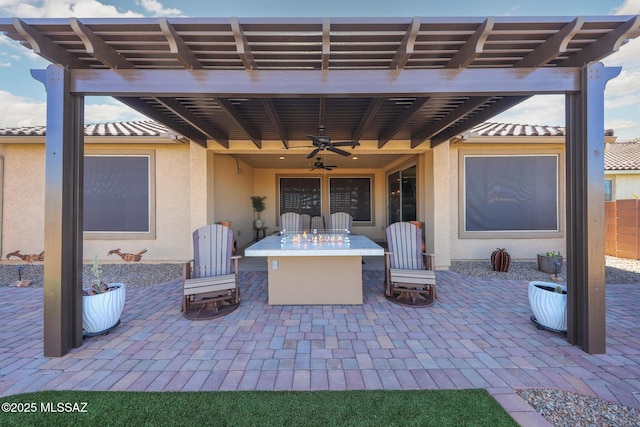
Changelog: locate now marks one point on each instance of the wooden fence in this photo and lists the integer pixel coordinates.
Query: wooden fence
(622, 228)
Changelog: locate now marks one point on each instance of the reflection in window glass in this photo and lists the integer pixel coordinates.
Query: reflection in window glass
(351, 195)
(301, 195)
(608, 190)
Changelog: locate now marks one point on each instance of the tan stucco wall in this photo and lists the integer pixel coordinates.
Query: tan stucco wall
(23, 205)
(626, 184)
(23, 199)
(232, 196)
(518, 248)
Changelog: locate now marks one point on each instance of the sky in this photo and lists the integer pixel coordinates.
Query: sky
(22, 99)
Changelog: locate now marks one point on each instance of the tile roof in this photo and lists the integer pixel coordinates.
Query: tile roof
(510, 129)
(138, 128)
(622, 156)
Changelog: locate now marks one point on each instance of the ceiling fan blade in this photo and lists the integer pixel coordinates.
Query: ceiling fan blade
(338, 151)
(313, 153)
(351, 144)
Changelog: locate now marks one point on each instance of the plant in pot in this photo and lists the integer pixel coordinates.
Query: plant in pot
(102, 303)
(550, 262)
(258, 206)
(548, 302)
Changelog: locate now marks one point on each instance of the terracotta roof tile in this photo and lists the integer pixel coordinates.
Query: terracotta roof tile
(622, 156)
(139, 128)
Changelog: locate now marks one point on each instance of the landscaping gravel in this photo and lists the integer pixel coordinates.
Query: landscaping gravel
(565, 409)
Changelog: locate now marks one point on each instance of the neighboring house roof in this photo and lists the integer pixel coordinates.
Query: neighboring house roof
(510, 129)
(138, 128)
(514, 129)
(622, 156)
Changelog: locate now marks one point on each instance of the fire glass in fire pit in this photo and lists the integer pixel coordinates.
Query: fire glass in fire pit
(324, 237)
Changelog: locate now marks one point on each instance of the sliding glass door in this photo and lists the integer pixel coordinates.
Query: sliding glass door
(401, 186)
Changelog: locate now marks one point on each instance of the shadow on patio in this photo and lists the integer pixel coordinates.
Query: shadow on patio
(477, 335)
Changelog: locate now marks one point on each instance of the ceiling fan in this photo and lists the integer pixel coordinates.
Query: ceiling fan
(320, 165)
(323, 142)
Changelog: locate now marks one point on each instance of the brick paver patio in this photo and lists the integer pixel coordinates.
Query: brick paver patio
(477, 335)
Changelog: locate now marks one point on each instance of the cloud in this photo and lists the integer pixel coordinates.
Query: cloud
(20, 111)
(537, 110)
(629, 7)
(110, 111)
(620, 124)
(62, 9)
(156, 8)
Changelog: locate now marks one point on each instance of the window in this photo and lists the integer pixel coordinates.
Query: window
(118, 196)
(301, 195)
(511, 193)
(608, 190)
(351, 195)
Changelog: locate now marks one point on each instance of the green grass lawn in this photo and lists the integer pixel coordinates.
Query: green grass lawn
(472, 407)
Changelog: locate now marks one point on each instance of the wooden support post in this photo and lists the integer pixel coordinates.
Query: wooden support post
(63, 213)
(586, 308)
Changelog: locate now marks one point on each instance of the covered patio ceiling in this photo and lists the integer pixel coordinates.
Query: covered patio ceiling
(283, 117)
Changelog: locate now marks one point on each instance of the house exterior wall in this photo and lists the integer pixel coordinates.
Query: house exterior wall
(519, 248)
(232, 193)
(23, 207)
(195, 186)
(626, 184)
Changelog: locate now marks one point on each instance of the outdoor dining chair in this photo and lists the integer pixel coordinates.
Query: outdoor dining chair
(290, 222)
(339, 221)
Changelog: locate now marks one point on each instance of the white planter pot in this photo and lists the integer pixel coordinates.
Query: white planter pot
(102, 311)
(548, 307)
(259, 223)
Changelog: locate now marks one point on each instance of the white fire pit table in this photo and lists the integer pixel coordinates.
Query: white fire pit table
(313, 271)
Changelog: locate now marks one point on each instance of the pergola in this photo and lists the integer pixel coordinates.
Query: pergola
(415, 81)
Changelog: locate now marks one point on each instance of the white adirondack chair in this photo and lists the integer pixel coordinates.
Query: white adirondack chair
(410, 279)
(211, 279)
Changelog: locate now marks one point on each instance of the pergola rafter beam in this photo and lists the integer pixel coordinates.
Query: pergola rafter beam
(554, 46)
(233, 114)
(142, 107)
(482, 116)
(178, 47)
(271, 111)
(326, 43)
(242, 46)
(45, 47)
(367, 118)
(405, 50)
(321, 110)
(188, 116)
(606, 44)
(473, 46)
(456, 114)
(98, 48)
(402, 121)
